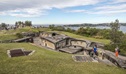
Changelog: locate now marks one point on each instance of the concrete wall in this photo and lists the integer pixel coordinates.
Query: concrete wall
(44, 34)
(79, 43)
(47, 43)
(61, 44)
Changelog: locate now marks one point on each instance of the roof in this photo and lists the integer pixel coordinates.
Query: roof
(71, 49)
(55, 38)
(22, 39)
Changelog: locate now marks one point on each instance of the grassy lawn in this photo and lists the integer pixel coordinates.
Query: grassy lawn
(10, 34)
(8, 37)
(104, 41)
(48, 62)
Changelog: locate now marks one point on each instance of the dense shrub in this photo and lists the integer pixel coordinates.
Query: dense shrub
(70, 30)
(105, 33)
(58, 28)
(122, 47)
(19, 35)
(110, 47)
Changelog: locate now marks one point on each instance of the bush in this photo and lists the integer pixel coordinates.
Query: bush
(19, 35)
(110, 47)
(105, 33)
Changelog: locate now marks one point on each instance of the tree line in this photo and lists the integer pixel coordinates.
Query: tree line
(23, 24)
(18, 24)
(3, 26)
(91, 25)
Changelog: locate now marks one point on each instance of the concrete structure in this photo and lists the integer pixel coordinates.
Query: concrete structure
(53, 40)
(77, 42)
(19, 52)
(25, 39)
(120, 61)
(58, 41)
(72, 49)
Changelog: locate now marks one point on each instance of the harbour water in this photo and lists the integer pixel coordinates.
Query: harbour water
(122, 28)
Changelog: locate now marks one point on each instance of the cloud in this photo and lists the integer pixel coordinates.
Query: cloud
(75, 11)
(105, 9)
(36, 8)
(119, 1)
(32, 8)
(33, 12)
(110, 9)
(110, 12)
(26, 13)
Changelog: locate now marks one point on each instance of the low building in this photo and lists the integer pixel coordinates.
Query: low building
(59, 41)
(53, 40)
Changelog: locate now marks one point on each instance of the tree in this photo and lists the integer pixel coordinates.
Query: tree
(16, 24)
(52, 26)
(115, 34)
(69, 30)
(60, 28)
(19, 35)
(28, 23)
(19, 23)
(3, 25)
(23, 25)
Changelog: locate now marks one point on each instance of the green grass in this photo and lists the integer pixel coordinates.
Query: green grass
(104, 41)
(11, 34)
(8, 37)
(48, 62)
(26, 29)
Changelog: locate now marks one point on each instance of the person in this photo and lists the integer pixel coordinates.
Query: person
(116, 51)
(95, 50)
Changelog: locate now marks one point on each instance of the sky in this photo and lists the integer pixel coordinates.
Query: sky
(62, 11)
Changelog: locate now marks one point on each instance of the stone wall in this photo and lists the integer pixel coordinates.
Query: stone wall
(79, 43)
(47, 43)
(61, 44)
(44, 35)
